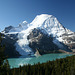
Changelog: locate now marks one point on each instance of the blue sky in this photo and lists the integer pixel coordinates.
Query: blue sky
(12, 12)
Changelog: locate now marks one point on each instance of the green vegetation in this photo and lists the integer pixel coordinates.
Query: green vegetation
(64, 66)
(4, 65)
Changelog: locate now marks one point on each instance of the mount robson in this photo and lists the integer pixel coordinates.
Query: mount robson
(45, 34)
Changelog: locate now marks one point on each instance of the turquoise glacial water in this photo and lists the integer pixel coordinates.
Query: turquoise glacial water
(16, 62)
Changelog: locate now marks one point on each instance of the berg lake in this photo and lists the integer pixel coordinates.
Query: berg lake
(16, 62)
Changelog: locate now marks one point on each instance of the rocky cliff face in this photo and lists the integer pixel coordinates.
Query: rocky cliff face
(9, 47)
(41, 42)
(7, 29)
(69, 40)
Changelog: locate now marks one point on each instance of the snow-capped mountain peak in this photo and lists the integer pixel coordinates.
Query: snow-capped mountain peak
(39, 19)
(24, 23)
(44, 21)
(47, 23)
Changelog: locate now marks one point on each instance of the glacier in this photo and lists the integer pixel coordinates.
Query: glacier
(48, 23)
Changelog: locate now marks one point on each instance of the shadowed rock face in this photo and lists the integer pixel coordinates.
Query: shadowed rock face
(41, 42)
(10, 49)
(7, 29)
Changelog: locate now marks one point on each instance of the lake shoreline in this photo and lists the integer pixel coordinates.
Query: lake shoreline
(16, 62)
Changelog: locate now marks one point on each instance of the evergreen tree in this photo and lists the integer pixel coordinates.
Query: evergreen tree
(4, 65)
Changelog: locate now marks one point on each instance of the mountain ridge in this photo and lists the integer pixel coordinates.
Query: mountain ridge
(48, 24)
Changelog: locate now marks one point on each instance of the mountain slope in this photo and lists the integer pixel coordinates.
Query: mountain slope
(9, 47)
(41, 42)
(49, 25)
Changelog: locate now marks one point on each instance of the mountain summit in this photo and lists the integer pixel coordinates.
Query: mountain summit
(47, 25)
(50, 24)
